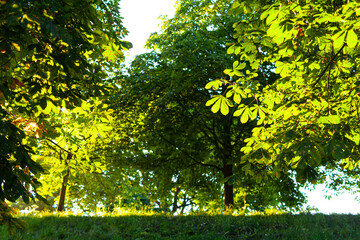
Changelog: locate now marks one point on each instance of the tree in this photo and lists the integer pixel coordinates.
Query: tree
(68, 151)
(308, 118)
(52, 54)
(181, 148)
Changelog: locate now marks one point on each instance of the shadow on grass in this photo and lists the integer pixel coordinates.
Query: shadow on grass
(285, 226)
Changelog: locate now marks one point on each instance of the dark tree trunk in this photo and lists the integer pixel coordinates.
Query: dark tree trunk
(228, 188)
(175, 203)
(61, 204)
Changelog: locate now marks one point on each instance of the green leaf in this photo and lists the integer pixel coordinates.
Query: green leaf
(331, 119)
(235, 64)
(212, 101)
(49, 106)
(214, 84)
(4, 146)
(245, 116)
(237, 73)
(287, 114)
(228, 72)
(339, 39)
(237, 98)
(241, 66)
(112, 52)
(230, 93)
(253, 113)
(351, 39)
(224, 108)
(316, 156)
(215, 108)
(261, 114)
(79, 110)
(239, 112)
(246, 149)
(231, 49)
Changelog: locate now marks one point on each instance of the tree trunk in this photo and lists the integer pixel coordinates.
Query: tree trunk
(175, 203)
(183, 206)
(61, 204)
(228, 188)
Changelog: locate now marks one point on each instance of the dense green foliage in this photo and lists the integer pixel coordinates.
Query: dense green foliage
(186, 154)
(53, 55)
(308, 118)
(332, 227)
(237, 105)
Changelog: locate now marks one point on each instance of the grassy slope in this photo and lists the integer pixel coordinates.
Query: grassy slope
(302, 227)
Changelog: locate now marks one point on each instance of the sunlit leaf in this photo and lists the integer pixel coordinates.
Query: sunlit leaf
(331, 119)
(215, 108)
(245, 116)
(351, 39)
(212, 101)
(224, 108)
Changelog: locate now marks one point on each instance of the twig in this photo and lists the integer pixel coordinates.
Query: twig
(327, 66)
(58, 146)
(187, 154)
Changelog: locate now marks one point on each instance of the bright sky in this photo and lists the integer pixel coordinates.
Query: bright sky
(141, 19)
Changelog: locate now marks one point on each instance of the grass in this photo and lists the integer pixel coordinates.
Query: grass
(286, 226)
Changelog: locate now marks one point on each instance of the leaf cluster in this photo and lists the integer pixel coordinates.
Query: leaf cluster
(308, 116)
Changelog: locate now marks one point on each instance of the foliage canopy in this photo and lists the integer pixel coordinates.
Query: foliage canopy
(308, 118)
(53, 54)
(183, 150)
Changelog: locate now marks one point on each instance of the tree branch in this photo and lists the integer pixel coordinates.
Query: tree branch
(327, 66)
(187, 154)
(58, 146)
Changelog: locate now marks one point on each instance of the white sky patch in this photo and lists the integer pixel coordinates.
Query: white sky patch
(141, 18)
(344, 202)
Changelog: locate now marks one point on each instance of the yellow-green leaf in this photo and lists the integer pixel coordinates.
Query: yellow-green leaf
(351, 39)
(237, 98)
(241, 66)
(224, 108)
(245, 116)
(261, 114)
(239, 112)
(339, 39)
(231, 49)
(212, 101)
(49, 106)
(215, 108)
(235, 64)
(331, 119)
(287, 114)
(230, 93)
(214, 84)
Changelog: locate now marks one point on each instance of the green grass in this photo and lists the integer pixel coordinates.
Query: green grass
(285, 226)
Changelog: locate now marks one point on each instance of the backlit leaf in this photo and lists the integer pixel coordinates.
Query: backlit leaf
(215, 108)
(245, 116)
(224, 108)
(331, 119)
(351, 39)
(212, 101)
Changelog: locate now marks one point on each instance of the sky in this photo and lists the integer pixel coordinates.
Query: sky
(141, 18)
